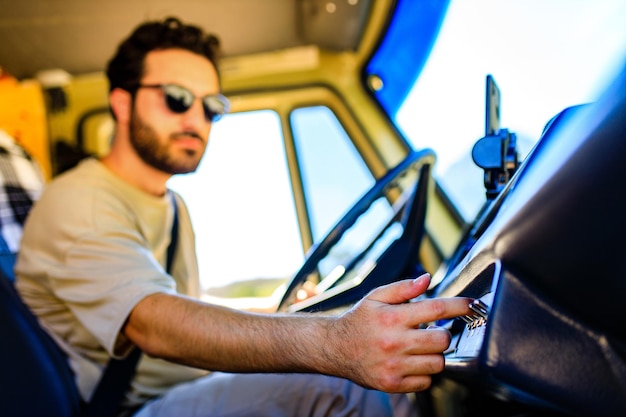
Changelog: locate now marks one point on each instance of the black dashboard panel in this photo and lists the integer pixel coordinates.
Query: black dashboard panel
(548, 261)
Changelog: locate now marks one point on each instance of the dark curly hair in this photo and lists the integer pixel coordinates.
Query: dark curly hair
(126, 67)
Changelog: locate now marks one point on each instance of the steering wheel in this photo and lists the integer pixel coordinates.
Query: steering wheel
(407, 186)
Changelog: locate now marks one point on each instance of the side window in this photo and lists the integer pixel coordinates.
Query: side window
(241, 203)
(333, 173)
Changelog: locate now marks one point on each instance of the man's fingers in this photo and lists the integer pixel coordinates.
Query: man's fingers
(401, 291)
(413, 374)
(425, 311)
(426, 341)
(396, 353)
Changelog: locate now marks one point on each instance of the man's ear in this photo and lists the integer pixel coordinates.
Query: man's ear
(121, 102)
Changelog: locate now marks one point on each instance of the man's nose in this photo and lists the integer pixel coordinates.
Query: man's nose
(194, 118)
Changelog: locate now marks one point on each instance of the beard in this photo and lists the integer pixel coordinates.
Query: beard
(158, 154)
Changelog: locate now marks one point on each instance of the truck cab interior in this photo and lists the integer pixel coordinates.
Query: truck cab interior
(371, 141)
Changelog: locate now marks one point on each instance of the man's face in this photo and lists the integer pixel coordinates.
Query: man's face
(172, 142)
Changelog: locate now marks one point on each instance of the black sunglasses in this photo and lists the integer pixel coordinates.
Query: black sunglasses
(179, 99)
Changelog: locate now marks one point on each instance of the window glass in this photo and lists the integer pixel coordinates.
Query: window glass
(241, 204)
(334, 175)
(544, 56)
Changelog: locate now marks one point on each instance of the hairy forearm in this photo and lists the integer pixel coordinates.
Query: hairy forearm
(378, 343)
(219, 338)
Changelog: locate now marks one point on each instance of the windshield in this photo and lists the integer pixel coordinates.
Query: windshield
(544, 56)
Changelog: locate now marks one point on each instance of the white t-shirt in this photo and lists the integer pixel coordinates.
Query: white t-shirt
(93, 247)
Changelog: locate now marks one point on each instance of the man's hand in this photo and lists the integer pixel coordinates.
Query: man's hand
(378, 342)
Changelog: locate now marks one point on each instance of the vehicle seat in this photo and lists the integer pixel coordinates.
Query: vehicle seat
(35, 379)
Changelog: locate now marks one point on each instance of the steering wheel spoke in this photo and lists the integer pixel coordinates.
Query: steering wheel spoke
(390, 217)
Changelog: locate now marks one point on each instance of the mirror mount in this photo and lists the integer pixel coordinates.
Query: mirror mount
(497, 155)
(496, 152)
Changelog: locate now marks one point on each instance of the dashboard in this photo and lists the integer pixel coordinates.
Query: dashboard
(546, 263)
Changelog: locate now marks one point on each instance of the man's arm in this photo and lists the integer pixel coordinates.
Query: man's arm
(376, 343)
